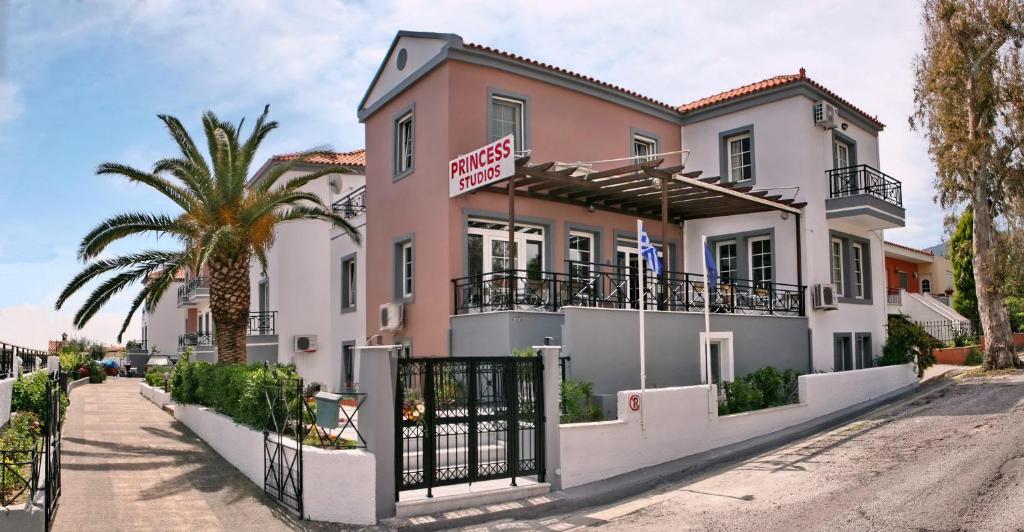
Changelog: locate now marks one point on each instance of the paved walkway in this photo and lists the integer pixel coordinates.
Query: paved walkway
(130, 466)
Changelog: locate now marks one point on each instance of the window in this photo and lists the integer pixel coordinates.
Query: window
(407, 269)
(760, 260)
(403, 144)
(926, 286)
(842, 352)
(348, 283)
(721, 362)
(488, 247)
(644, 148)
(507, 119)
(903, 279)
(864, 358)
(263, 296)
(739, 158)
(949, 281)
(842, 155)
(857, 260)
(837, 265)
(348, 366)
(726, 260)
(581, 253)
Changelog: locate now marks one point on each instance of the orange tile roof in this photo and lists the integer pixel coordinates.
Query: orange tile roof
(345, 158)
(561, 70)
(771, 83)
(924, 251)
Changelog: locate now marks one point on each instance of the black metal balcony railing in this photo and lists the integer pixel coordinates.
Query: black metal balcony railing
(893, 296)
(28, 359)
(186, 290)
(262, 322)
(603, 286)
(863, 179)
(196, 339)
(352, 204)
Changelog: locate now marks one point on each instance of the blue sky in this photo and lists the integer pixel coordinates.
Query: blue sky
(82, 82)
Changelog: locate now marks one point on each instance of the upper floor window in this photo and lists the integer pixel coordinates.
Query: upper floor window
(837, 265)
(404, 269)
(404, 135)
(857, 261)
(507, 119)
(842, 155)
(348, 283)
(644, 148)
(738, 154)
(727, 260)
(407, 269)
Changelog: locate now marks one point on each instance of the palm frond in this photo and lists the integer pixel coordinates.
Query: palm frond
(185, 143)
(260, 130)
(178, 195)
(108, 289)
(127, 224)
(100, 267)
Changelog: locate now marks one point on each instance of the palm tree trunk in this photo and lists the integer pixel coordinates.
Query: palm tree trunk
(229, 302)
(995, 322)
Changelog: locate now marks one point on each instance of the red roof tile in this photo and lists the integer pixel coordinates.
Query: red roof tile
(924, 251)
(561, 70)
(771, 83)
(345, 158)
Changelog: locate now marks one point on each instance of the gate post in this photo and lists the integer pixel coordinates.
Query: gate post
(552, 389)
(378, 372)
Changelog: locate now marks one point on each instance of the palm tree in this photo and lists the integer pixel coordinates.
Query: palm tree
(222, 226)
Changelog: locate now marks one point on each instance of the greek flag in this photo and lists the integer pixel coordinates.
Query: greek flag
(650, 253)
(712, 268)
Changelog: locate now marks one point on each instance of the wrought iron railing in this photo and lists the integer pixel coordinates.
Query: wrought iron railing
(19, 474)
(262, 323)
(28, 359)
(863, 179)
(196, 339)
(28, 363)
(893, 296)
(187, 290)
(352, 204)
(949, 330)
(605, 286)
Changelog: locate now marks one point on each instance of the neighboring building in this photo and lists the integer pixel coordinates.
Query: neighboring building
(794, 204)
(920, 285)
(162, 327)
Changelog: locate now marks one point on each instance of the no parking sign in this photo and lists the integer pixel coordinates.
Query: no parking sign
(634, 402)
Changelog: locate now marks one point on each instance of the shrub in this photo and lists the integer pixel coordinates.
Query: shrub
(974, 357)
(29, 395)
(1015, 309)
(18, 439)
(96, 372)
(578, 404)
(70, 360)
(906, 341)
(764, 388)
(155, 375)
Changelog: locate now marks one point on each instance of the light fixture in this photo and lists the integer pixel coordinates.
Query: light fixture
(845, 126)
(656, 182)
(784, 215)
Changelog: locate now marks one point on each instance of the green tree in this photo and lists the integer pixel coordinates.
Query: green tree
(969, 96)
(223, 223)
(961, 255)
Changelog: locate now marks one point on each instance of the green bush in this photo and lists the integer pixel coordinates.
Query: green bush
(764, 388)
(21, 432)
(19, 438)
(97, 373)
(155, 375)
(235, 390)
(974, 357)
(578, 404)
(1015, 308)
(29, 395)
(905, 341)
(70, 360)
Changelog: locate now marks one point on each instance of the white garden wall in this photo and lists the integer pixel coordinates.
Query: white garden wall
(6, 389)
(677, 422)
(338, 486)
(156, 395)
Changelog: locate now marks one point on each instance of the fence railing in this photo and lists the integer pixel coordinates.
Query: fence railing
(262, 322)
(352, 204)
(186, 290)
(863, 179)
(948, 330)
(893, 297)
(607, 286)
(28, 359)
(195, 340)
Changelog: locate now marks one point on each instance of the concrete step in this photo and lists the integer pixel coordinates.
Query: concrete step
(455, 502)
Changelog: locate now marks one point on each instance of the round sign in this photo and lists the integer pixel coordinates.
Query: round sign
(634, 402)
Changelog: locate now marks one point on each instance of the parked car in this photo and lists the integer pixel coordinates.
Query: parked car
(158, 360)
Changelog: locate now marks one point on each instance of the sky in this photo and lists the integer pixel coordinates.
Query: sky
(81, 82)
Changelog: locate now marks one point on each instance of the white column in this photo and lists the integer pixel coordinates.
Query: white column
(552, 412)
(377, 372)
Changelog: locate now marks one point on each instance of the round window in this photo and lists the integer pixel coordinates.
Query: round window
(403, 56)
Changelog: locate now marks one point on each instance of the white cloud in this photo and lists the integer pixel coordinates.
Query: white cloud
(10, 104)
(31, 326)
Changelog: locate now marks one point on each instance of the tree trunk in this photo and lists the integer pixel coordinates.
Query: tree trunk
(995, 322)
(229, 302)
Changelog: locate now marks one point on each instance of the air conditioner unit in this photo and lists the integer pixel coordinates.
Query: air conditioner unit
(825, 297)
(391, 317)
(826, 115)
(304, 343)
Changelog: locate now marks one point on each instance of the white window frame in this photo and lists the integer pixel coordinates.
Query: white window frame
(857, 264)
(735, 258)
(834, 262)
(729, 158)
(519, 125)
(750, 254)
(725, 353)
(408, 272)
(404, 143)
(839, 160)
(501, 234)
(649, 146)
(349, 272)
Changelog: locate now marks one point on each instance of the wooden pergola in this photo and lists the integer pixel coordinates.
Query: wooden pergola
(643, 189)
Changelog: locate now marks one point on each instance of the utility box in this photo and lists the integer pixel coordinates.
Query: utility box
(327, 405)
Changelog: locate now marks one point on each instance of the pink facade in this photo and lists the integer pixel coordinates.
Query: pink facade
(450, 107)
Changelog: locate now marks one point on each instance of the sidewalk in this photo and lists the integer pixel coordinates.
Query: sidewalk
(939, 370)
(127, 465)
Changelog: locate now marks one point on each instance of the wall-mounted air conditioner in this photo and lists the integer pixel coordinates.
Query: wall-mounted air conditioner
(304, 343)
(826, 115)
(825, 297)
(391, 317)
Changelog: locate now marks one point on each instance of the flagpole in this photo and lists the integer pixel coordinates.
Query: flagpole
(641, 269)
(707, 319)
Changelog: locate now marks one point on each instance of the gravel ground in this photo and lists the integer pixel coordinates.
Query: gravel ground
(951, 461)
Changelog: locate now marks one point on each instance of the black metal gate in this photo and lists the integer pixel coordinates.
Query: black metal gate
(282, 442)
(56, 387)
(460, 420)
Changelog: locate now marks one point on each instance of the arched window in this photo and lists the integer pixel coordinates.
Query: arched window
(926, 286)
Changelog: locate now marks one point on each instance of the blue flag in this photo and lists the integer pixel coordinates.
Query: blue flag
(650, 253)
(709, 261)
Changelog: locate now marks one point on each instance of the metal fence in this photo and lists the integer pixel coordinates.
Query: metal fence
(28, 359)
(949, 330)
(863, 179)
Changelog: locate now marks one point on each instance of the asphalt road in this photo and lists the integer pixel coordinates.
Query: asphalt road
(951, 461)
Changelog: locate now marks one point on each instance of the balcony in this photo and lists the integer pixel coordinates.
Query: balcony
(261, 341)
(611, 287)
(865, 196)
(352, 204)
(195, 288)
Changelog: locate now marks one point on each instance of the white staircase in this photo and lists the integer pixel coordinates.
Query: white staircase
(923, 308)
